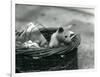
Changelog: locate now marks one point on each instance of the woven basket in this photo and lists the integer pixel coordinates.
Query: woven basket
(48, 59)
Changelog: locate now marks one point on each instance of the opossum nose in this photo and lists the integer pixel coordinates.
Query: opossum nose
(66, 36)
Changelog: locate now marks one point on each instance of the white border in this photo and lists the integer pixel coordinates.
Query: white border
(13, 38)
(55, 3)
(45, 74)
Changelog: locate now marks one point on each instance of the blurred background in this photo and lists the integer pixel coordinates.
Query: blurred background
(52, 16)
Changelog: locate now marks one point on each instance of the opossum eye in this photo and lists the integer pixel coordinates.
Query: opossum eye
(66, 36)
(71, 35)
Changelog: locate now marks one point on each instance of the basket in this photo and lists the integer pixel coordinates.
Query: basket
(48, 59)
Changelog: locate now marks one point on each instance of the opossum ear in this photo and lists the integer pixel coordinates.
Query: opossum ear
(60, 30)
(69, 26)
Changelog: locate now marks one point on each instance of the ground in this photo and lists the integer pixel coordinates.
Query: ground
(57, 16)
